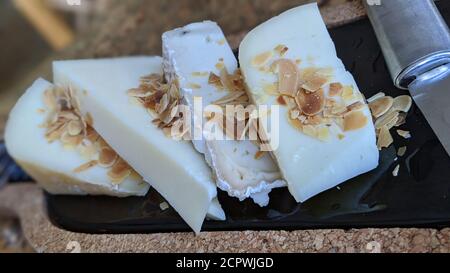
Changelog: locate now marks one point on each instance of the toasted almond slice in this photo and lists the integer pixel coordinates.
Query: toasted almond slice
(384, 138)
(396, 171)
(323, 134)
(355, 106)
(50, 99)
(311, 103)
(401, 119)
(271, 90)
(107, 157)
(71, 141)
(336, 89)
(163, 104)
(119, 171)
(294, 114)
(281, 50)
(314, 79)
(310, 130)
(215, 80)
(229, 98)
(55, 132)
(387, 118)
(89, 120)
(200, 74)
(69, 115)
(86, 166)
(402, 104)
(288, 77)
(262, 59)
(376, 96)
(87, 150)
(381, 106)
(139, 93)
(404, 134)
(194, 86)
(348, 93)
(75, 127)
(355, 120)
(260, 154)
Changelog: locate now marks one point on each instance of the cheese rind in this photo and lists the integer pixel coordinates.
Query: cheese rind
(50, 164)
(172, 167)
(309, 165)
(191, 53)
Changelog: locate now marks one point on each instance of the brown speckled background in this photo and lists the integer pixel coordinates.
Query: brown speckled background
(134, 27)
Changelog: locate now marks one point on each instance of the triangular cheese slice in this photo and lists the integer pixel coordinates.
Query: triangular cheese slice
(172, 167)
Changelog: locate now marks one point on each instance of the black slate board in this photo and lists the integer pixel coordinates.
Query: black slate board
(418, 197)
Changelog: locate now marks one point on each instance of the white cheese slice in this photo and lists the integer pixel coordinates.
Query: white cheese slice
(172, 167)
(310, 166)
(50, 164)
(190, 54)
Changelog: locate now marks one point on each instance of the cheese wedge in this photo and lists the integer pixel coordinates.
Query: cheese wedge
(191, 53)
(53, 165)
(172, 167)
(326, 130)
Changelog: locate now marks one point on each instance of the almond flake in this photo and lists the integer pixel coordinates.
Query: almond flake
(311, 103)
(86, 166)
(294, 114)
(194, 86)
(200, 74)
(288, 77)
(404, 134)
(119, 172)
(310, 130)
(384, 138)
(402, 104)
(215, 80)
(164, 206)
(387, 118)
(314, 78)
(355, 106)
(323, 134)
(75, 127)
(262, 58)
(220, 65)
(281, 50)
(376, 96)
(107, 157)
(348, 93)
(260, 154)
(381, 106)
(396, 171)
(336, 89)
(355, 120)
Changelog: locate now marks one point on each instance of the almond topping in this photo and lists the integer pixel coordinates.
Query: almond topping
(376, 96)
(86, 166)
(262, 58)
(281, 50)
(354, 121)
(402, 151)
(75, 127)
(381, 106)
(404, 134)
(119, 172)
(384, 138)
(402, 104)
(388, 118)
(311, 103)
(288, 77)
(107, 157)
(314, 78)
(336, 89)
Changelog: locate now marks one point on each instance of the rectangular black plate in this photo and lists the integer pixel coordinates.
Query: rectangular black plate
(418, 197)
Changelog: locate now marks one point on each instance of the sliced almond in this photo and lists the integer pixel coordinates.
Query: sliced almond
(355, 120)
(288, 77)
(396, 171)
(86, 166)
(310, 130)
(50, 99)
(75, 127)
(384, 138)
(402, 104)
(71, 141)
(381, 106)
(281, 50)
(260, 154)
(314, 79)
(119, 172)
(215, 80)
(386, 119)
(404, 134)
(355, 106)
(194, 86)
(262, 58)
(376, 96)
(336, 89)
(107, 157)
(323, 133)
(311, 103)
(348, 93)
(294, 114)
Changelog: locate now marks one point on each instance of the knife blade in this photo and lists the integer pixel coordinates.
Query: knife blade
(415, 41)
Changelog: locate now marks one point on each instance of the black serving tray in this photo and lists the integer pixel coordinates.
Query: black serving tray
(417, 197)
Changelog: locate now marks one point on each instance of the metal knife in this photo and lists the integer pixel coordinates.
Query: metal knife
(415, 41)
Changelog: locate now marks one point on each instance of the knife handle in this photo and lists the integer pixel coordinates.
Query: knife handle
(413, 36)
